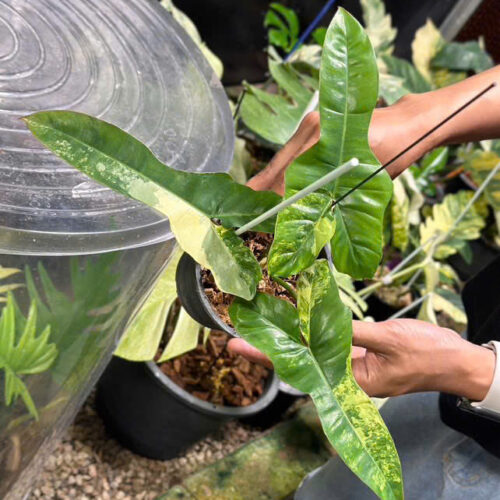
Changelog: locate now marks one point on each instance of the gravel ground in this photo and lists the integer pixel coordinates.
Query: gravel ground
(90, 465)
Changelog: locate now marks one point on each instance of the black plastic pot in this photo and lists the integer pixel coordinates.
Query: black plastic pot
(193, 298)
(150, 415)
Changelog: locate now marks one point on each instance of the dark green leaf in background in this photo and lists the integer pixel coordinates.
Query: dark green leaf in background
(463, 56)
(413, 81)
(275, 117)
(284, 25)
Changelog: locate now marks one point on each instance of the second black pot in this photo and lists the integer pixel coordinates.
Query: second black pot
(193, 298)
(150, 415)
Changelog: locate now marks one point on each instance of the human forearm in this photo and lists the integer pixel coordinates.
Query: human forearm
(395, 127)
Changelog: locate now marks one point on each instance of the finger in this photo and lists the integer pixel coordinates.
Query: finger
(358, 352)
(239, 346)
(359, 370)
(371, 336)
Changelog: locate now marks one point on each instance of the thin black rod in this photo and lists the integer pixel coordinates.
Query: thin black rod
(413, 144)
(238, 103)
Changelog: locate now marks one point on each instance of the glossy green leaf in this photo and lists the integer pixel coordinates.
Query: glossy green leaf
(463, 56)
(311, 350)
(117, 160)
(443, 219)
(26, 353)
(413, 81)
(142, 338)
(348, 94)
(275, 117)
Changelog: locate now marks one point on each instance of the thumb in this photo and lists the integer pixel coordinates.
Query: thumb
(239, 346)
(372, 336)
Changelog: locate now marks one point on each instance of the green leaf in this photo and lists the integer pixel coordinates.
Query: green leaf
(417, 200)
(348, 94)
(480, 164)
(27, 355)
(450, 303)
(426, 44)
(311, 350)
(391, 88)
(400, 210)
(319, 35)
(242, 162)
(117, 160)
(77, 318)
(462, 56)
(440, 299)
(184, 337)
(465, 251)
(272, 116)
(443, 218)
(348, 294)
(413, 81)
(443, 77)
(142, 338)
(378, 26)
(431, 164)
(285, 25)
(7, 272)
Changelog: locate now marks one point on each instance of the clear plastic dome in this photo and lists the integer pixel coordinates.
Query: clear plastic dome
(125, 62)
(83, 255)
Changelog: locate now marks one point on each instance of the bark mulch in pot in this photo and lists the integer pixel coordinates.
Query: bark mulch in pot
(212, 373)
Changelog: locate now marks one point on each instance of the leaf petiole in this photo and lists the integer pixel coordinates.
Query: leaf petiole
(329, 177)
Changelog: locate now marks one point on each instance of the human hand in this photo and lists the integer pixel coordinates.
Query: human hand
(401, 356)
(391, 129)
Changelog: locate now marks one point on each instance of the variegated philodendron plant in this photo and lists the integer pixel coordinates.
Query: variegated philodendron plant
(310, 345)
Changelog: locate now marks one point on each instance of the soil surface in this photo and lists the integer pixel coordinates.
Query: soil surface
(259, 244)
(212, 373)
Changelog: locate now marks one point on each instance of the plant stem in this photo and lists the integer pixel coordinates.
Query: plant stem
(287, 287)
(409, 307)
(329, 177)
(385, 282)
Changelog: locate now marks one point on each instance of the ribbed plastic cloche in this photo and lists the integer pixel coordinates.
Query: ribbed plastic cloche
(126, 62)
